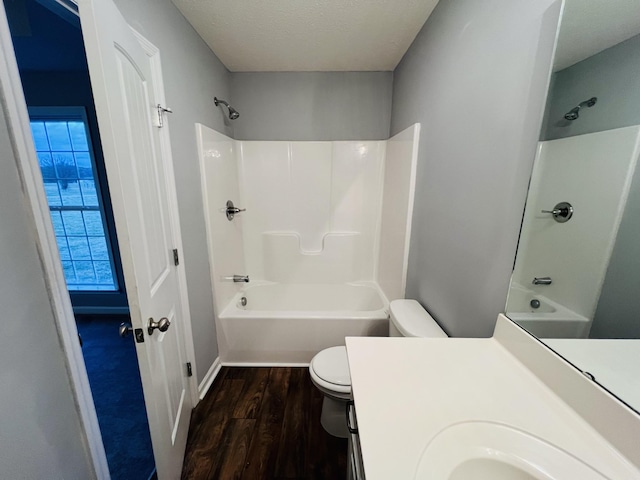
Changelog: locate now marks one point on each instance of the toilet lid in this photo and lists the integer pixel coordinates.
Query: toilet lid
(332, 366)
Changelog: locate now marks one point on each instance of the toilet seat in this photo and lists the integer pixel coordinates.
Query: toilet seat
(329, 370)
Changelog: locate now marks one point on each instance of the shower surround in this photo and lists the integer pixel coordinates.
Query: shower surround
(324, 240)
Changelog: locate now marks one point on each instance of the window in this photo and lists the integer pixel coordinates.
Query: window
(73, 192)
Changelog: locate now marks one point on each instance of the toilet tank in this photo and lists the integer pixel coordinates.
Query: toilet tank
(409, 319)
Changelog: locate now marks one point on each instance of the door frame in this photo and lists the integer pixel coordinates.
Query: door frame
(14, 108)
(15, 111)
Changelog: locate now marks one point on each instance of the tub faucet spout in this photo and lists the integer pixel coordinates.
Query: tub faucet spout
(238, 278)
(542, 281)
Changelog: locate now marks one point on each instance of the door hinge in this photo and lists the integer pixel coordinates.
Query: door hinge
(176, 258)
(189, 370)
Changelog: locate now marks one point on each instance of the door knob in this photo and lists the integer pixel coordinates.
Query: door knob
(162, 325)
(125, 329)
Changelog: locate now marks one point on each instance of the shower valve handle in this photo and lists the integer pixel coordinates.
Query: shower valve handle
(231, 210)
(562, 212)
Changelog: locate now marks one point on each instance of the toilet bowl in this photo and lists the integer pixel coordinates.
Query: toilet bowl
(329, 369)
(329, 372)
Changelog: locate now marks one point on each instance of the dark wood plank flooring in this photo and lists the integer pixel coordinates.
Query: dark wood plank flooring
(262, 423)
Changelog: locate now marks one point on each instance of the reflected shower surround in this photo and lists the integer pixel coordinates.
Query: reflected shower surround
(324, 239)
(571, 169)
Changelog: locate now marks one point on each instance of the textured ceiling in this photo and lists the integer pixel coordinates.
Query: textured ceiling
(307, 35)
(591, 26)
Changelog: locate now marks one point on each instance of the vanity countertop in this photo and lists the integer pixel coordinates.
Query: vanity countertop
(407, 390)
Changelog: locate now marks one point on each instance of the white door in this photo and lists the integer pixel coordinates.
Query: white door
(141, 184)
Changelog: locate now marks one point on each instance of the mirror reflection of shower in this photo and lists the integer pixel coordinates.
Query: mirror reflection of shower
(233, 113)
(574, 113)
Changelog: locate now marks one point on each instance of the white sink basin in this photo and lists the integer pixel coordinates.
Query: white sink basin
(491, 451)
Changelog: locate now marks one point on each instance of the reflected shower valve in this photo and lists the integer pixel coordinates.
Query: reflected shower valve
(562, 212)
(231, 210)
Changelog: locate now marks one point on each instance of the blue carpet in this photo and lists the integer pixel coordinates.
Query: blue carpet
(113, 372)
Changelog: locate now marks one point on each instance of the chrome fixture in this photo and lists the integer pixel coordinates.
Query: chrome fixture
(574, 113)
(238, 278)
(243, 301)
(233, 113)
(163, 325)
(161, 111)
(535, 303)
(541, 281)
(231, 210)
(562, 212)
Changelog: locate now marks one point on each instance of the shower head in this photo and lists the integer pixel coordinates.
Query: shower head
(233, 113)
(574, 113)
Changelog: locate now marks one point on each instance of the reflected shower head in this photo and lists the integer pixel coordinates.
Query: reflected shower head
(233, 113)
(574, 113)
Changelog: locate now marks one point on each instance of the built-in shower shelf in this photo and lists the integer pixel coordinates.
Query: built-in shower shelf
(340, 260)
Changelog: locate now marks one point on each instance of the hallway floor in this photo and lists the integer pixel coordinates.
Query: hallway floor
(112, 368)
(262, 423)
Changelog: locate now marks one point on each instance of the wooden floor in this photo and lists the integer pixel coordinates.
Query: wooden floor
(262, 423)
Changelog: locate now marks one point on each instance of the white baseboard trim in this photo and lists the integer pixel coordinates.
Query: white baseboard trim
(208, 379)
(264, 364)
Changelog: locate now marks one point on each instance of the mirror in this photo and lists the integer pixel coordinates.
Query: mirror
(576, 279)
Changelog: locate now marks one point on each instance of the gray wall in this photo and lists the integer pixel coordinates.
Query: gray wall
(618, 312)
(613, 76)
(40, 431)
(193, 75)
(312, 105)
(476, 78)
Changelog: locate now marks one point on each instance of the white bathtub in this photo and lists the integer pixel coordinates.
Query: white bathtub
(285, 324)
(549, 320)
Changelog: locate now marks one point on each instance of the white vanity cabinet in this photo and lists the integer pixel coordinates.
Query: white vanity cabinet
(355, 467)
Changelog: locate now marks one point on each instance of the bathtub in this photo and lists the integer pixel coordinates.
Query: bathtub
(287, 324)
(549, 320)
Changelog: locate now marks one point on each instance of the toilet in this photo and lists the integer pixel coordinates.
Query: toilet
(329, 369)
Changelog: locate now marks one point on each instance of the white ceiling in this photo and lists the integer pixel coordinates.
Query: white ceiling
(371, 35)
(591, 26)
(306, 35)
